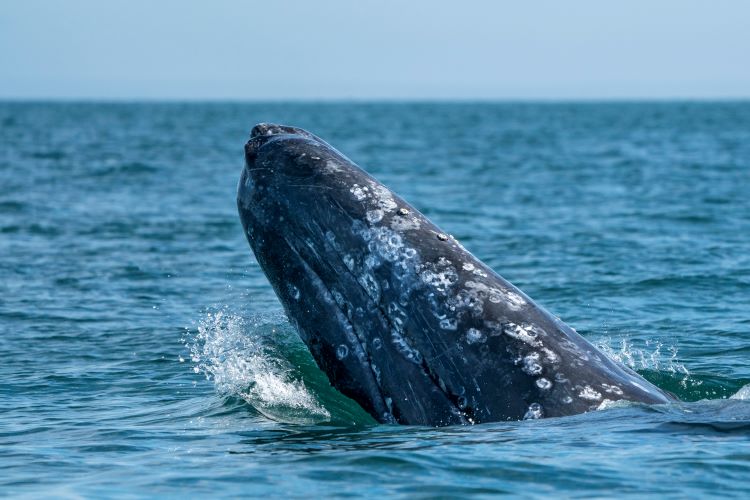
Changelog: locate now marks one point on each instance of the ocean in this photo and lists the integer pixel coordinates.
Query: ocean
(144, 353)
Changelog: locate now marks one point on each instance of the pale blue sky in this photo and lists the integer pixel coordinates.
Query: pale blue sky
(356, 49)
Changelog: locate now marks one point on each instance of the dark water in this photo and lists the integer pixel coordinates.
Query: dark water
(143, 352)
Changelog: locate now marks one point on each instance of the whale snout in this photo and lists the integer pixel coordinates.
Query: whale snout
(290, 151)
(271, 129)
(265, 130)
(264, 133)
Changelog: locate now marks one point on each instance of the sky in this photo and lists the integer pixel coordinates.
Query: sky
(365, 49)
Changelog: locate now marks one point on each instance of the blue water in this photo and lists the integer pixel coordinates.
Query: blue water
(144, 353)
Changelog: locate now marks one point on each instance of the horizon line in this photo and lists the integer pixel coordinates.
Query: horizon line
(374, 100)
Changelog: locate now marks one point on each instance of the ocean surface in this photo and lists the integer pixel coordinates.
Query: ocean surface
(145, 354)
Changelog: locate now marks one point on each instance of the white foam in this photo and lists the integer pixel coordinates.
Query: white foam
(608, 404)
(743, 394)
(650, 357)
(228, 350)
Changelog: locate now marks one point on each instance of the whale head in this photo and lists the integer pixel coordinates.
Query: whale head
(397, 313)
(329, 237)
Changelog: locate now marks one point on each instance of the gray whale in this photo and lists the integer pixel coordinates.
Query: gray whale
(398, 314)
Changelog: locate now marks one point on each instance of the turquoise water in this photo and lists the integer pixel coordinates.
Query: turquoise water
(144, 353)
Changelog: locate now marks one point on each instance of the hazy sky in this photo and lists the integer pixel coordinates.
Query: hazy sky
(343, 49)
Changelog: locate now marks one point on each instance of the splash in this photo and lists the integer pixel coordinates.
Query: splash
(653, 356)
(743, 394)
(242, 358)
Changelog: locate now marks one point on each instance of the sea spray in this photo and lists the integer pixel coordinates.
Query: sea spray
(238, 355)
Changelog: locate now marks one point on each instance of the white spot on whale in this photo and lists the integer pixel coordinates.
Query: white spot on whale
(376, 371)
(332, 167)
(332, 240)
(359, 192)
(543, 383)
(440, 280)
(405, 224)
(342, 351)
(383, 197)
(349, 262)
(449, 324)
(374, 216)
(469, 267)
(589, 393)
(338, 298)
(389, 404)
(372, 261)
(550, 355)
(534, 412)
(371, 286)
(514, 300)
(473, 336)
(396, 314)
(525, 334)
(402, 346)
(612, 389)
(531, 364)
